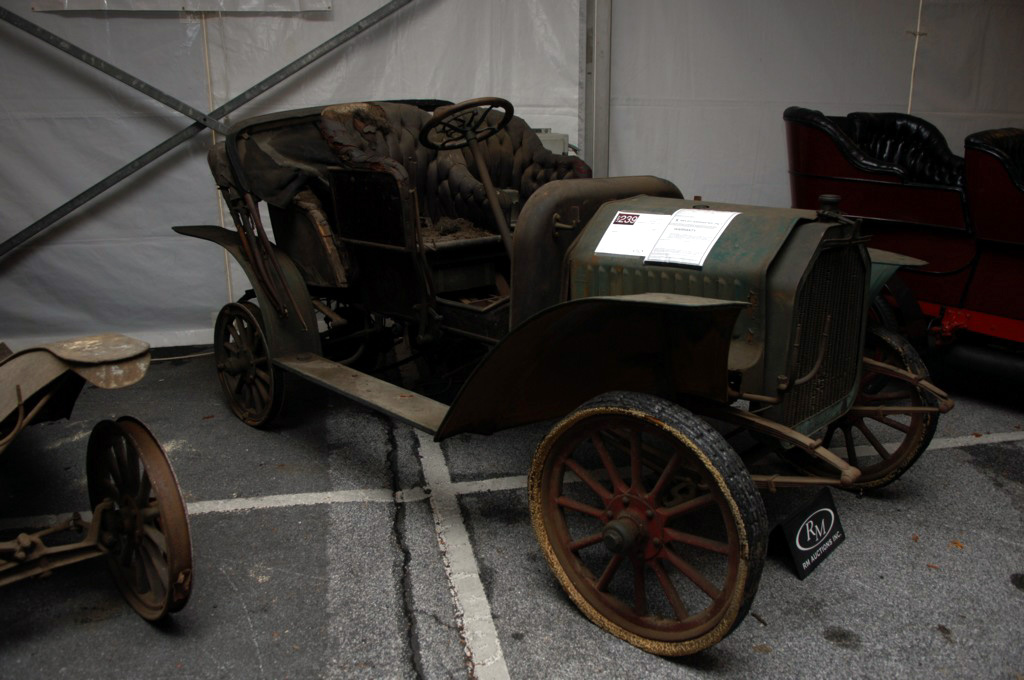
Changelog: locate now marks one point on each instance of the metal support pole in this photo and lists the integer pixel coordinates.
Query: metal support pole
(597, 84)
(191, 131)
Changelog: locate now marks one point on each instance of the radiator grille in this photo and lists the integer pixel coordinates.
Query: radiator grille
(832, 295)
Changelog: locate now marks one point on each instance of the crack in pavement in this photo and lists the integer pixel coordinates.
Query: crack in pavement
(408, 612)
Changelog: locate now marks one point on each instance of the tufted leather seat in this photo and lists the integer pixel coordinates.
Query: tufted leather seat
(384, 136)
(517, 161)
(896, 143)
(913, 146)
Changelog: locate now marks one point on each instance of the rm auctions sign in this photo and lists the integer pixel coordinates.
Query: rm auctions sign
(813, 532)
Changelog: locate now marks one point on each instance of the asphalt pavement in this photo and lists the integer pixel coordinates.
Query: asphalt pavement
(342, 544)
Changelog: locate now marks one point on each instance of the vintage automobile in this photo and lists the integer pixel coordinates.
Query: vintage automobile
(963, 215)
(139, 522)
(631, 315)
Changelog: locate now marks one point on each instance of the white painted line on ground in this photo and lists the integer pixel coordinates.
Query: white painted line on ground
(292, 500)
(974, 440)
(225, 505)
(483, 485)
(416, 494)
(471, 605)
(964, 442)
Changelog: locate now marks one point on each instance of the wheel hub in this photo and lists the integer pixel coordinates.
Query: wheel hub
(620, 535)
(634, 526)
(242, 363)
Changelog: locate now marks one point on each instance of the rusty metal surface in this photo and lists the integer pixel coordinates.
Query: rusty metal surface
(138, 521)
(847, 474)
(138, 515)
(29, 554)
(549, 222)
(797, 344)
(114, 375)
(409, 407)
(21, 377)
(668, 345)
(737, 268)
(98, 348)
(945, 404)
(817, 370)
(31, 384)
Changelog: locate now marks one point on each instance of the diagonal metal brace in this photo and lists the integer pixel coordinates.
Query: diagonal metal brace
(111, 70)
(203, 120)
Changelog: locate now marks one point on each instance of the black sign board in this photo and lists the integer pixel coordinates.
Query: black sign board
(813, 532)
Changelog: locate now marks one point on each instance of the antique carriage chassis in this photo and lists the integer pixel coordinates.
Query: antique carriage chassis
(138, 521)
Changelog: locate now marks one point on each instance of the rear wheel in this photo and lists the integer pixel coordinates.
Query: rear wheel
(650, 522)
(254, 387)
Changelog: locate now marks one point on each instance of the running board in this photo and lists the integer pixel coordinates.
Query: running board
(409, 407)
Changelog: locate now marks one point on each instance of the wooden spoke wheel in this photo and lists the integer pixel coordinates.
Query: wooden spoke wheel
(885, 432)
(146, 528)
(254, 387)
(650, 522)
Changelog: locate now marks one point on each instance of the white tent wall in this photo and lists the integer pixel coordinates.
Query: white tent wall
(698, 87)
(969, 67)
(115, 265)
(697, 93)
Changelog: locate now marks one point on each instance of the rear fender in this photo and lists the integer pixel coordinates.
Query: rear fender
(674, 346)
(286, 335)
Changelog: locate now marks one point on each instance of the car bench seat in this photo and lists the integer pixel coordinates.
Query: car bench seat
(890, 166)
(385, 136)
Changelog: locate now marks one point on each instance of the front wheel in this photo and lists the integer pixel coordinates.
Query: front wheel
(649, 521)
(891, 422)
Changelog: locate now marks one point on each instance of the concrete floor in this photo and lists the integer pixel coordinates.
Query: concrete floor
(307, 567)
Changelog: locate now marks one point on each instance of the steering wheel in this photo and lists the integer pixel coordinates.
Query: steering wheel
(458, 125)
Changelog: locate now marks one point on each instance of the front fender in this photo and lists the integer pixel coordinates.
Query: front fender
(884, 264)
(286, 335)
(674, 346)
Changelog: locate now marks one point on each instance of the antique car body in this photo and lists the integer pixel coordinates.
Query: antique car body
(451, 227)
(138, 522)
(964, 216)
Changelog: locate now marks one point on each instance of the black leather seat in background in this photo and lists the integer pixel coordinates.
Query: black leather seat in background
(896, 143)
